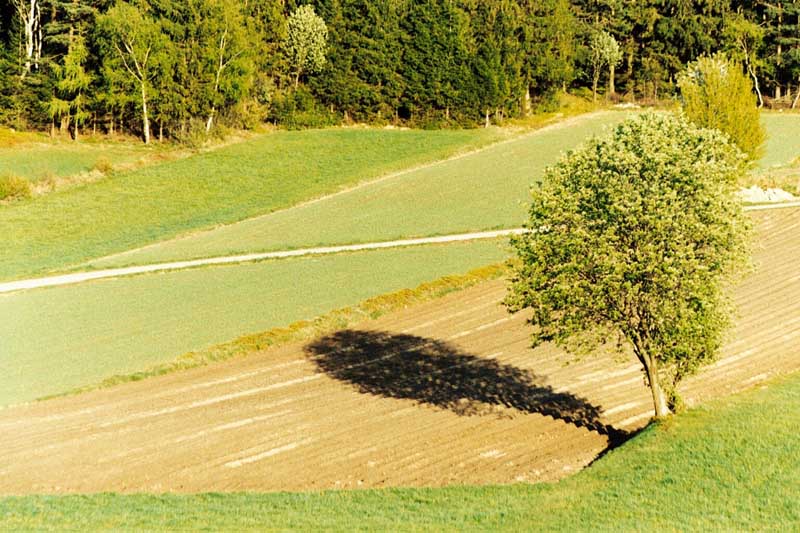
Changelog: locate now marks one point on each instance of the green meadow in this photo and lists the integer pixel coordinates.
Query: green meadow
(226, 185)
(482, 191)
(58, 339)
(782, 146)
(46, 160)
(732, 465)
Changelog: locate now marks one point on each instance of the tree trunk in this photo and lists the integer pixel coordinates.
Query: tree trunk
(659, 399)
(797, 96)
(296, 79)
(210, 121)
(595, 80)
(752, 72)
(145, 117)
(161, 132)
(611, 75)
(487, 122)
(526, 102)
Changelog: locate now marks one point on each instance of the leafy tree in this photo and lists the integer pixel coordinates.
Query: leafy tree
(715, 93)
(634, 237)
(744, 39)
(605, 52)
(135, 50)
(306, 41)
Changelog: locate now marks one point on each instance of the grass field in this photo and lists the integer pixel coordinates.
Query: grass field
(229, 184)
(783, 139)
(730, 465)
(48, 160)
(486, 190)
(55, 340)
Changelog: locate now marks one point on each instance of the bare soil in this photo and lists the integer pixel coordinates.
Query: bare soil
(442, 393)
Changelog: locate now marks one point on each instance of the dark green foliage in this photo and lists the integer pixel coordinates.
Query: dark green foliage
(424, 63)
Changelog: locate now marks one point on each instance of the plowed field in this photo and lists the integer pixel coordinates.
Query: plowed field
(443, 393)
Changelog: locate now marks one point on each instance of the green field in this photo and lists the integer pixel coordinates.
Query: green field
(732, 465)
(46, 160)
(227, 185)
(58, 339)
(783, 139)
(486, 190)
(483, 191)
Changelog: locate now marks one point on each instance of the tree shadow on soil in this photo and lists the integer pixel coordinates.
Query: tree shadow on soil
(437, 373)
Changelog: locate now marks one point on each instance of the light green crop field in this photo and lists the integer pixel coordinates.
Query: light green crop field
(40, 161)
(58, 339)
(732, 465)
(783, 139)
(484, 190)
(227, 185)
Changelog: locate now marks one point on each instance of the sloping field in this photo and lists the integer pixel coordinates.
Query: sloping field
(484, 190)
(481, 191)
(231, 183)
(58, 339)
(444, 393)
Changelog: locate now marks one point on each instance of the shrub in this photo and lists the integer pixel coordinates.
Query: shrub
(103, 166)
(717, 94)
(299, 109)
(14, 188)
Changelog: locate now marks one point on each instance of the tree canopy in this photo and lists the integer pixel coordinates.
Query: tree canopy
(423, 63)
(633, 239)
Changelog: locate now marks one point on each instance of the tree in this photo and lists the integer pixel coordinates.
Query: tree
(634, 237)
(549, 48)
(496, 59)
(716, 93)
(744, 39)
(73, 83)
(30, 17)
(306, 41)
(605, 52)
(135, 45)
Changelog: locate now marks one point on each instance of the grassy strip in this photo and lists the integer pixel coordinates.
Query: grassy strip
(62, 338)
(481, 191)
(731, 465)
(303, 330)
(226, 185)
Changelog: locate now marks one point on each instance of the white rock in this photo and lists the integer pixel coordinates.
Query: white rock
(757, 195)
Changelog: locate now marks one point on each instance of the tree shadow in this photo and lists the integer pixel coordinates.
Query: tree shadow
(437, 373)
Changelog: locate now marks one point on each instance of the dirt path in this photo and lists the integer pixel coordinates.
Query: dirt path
(80, 277)
(443, 393)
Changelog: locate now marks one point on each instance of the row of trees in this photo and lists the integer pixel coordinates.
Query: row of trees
(179, 67)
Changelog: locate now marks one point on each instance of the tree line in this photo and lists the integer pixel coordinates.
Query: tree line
(166, 68)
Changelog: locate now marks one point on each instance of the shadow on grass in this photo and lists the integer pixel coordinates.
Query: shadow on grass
(437, 373)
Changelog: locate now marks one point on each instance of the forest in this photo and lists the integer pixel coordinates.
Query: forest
(179, 69)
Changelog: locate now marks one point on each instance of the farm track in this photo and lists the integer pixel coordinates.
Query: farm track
(447, 392)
